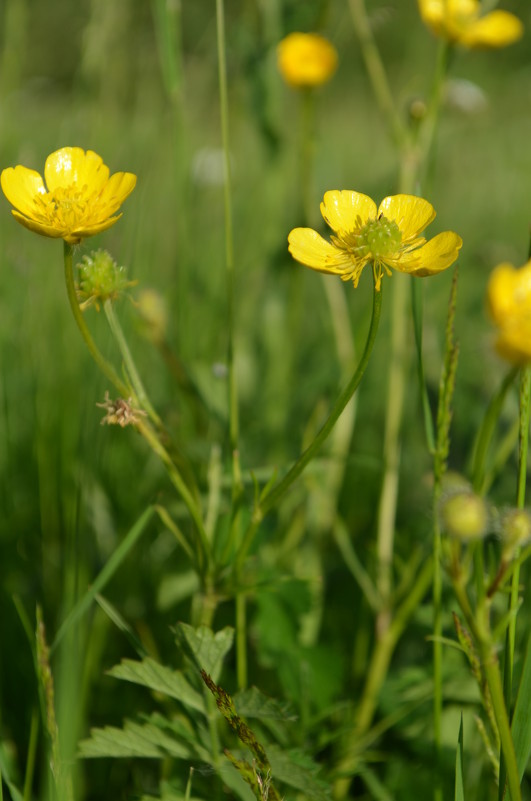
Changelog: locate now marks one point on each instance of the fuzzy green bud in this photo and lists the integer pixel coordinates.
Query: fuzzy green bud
(515, 529)
(100, 279)
(464, 516)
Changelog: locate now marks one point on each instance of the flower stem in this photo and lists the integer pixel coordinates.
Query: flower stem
(492, 674)
(204, 554)
(106, 368)
(237, 484)
(376, 674)
(272, 498)
(132, 372)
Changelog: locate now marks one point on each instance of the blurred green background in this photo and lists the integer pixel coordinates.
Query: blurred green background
(137, 82)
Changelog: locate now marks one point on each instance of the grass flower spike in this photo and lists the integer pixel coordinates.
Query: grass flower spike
(78, 200)
(461, 22)
(306, 59)
(509, 300)
(387, 236)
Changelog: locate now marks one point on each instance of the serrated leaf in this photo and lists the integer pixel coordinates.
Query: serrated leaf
(206, 649)
(299, 771)
(149, 673)
(134, 740)
(252, 703)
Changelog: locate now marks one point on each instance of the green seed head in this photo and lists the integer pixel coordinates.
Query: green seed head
(100, 278)
(379, 238)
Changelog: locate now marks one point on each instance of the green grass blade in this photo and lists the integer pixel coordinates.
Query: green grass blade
(417, 305)
(459, 777)
(521, 726)
(105, 575)
(16, 795)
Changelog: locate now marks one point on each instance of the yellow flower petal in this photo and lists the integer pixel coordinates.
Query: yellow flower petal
(37, 227)
(90, 230)
(433, 257)
(309, 247)
(497, 29)
(412, 214)
(118, 188)
(71, 165)
(20, 185)
(80, 199)
(509, 301)
(345, 210)
(460, 22)
(500, 291)
(306, 59)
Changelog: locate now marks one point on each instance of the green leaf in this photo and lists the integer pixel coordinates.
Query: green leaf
(298, 770)
(150, 673)
(459, 777)
(521, 730)
(145, 740)
(206, 649)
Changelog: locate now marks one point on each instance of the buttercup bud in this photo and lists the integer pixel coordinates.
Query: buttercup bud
(515, 529)
(464, 515)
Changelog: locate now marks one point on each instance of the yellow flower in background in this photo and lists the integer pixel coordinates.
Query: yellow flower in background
(509, 300)
(387, 236)
(461, 22)
(306, 59)
(79, 198)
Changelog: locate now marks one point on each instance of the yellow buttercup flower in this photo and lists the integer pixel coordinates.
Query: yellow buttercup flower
(306, 59)
(387, 236)
(79, 199)
(509, 300)
(461, 22)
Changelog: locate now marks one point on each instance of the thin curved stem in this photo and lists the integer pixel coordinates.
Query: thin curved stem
(105, 366)
(204, 553)
(130, 366)
(275, 494)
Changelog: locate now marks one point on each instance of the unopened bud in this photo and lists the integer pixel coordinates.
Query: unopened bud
(464, 515)
(515, 529)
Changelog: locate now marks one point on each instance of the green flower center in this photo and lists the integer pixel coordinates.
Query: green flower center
(378, 238)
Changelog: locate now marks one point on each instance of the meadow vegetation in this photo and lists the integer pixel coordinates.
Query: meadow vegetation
(182, 617)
